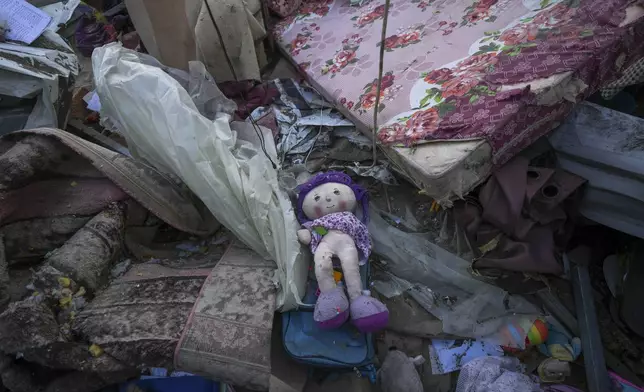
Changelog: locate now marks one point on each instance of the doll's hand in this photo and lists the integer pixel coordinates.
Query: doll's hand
(304, 236)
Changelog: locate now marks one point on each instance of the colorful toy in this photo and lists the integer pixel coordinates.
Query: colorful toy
(523, 333)
(559, 346)
(537, 334)
(325, 209)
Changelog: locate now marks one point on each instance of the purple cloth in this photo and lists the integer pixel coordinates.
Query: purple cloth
(91, 33)
(347, 223)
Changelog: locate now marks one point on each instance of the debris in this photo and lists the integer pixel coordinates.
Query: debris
(88, 255)
(447, 356)
(596, 373)
(92, 31)
(4, 276)
(45, 69)
(504, 237)
(442, 284)
(625, 384)
(313, 133)
(613, 274)
(559, 346)
(87, 381)
(248, 95)
(95, 350)
(26, 325)
(64, 281)
(398, 373)
(187, 382)
(99, 137)
(632, 292)
(234, 178)
(17, 377)
(553, 370)
(139, 319)
(120, 268)
(495, 374)
(24, 22)
(605, 147)
(50, 282)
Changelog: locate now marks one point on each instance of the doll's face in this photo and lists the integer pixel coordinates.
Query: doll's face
(328, 198)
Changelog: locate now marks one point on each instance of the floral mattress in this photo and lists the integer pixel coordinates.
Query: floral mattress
(494, 75)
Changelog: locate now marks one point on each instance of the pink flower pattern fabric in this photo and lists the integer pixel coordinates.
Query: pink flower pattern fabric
(451, 65)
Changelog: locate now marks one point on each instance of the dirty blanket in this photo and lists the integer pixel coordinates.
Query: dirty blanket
(52, 182)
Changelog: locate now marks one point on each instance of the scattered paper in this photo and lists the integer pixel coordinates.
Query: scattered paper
(446, 356)
(60, 12)
(22, 21)
(93, 101)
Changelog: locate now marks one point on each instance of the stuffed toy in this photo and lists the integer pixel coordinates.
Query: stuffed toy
(325, 209)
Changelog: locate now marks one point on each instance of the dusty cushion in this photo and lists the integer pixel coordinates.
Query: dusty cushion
(284, 8)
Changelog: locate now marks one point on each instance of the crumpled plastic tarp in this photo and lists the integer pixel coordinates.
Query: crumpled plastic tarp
(163, 125)
(443, 285)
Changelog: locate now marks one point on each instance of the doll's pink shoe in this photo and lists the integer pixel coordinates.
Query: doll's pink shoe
(331, 309)
(368, 314)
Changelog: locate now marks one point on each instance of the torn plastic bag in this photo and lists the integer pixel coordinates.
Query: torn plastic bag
(233, 177)
(442, 284)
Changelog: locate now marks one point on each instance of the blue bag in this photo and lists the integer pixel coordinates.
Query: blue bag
(344, 348)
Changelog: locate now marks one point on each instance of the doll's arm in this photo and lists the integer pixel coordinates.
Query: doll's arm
(304, 236)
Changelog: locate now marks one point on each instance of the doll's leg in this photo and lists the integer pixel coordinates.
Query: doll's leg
(367, 313)
(332, 306)
(351, 270)
(324, 267)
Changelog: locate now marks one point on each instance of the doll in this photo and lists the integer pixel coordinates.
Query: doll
(325, 209)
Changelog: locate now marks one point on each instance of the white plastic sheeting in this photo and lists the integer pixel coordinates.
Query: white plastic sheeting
(233, 177)
(442, 285)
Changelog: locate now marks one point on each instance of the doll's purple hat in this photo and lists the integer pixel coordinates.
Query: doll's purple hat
(332, 176)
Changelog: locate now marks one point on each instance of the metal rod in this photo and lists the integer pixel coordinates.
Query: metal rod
(593, 351)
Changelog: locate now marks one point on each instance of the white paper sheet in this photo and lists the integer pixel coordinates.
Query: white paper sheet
(22, 21)
(446, 357)
(93, 101)
(60, 12)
